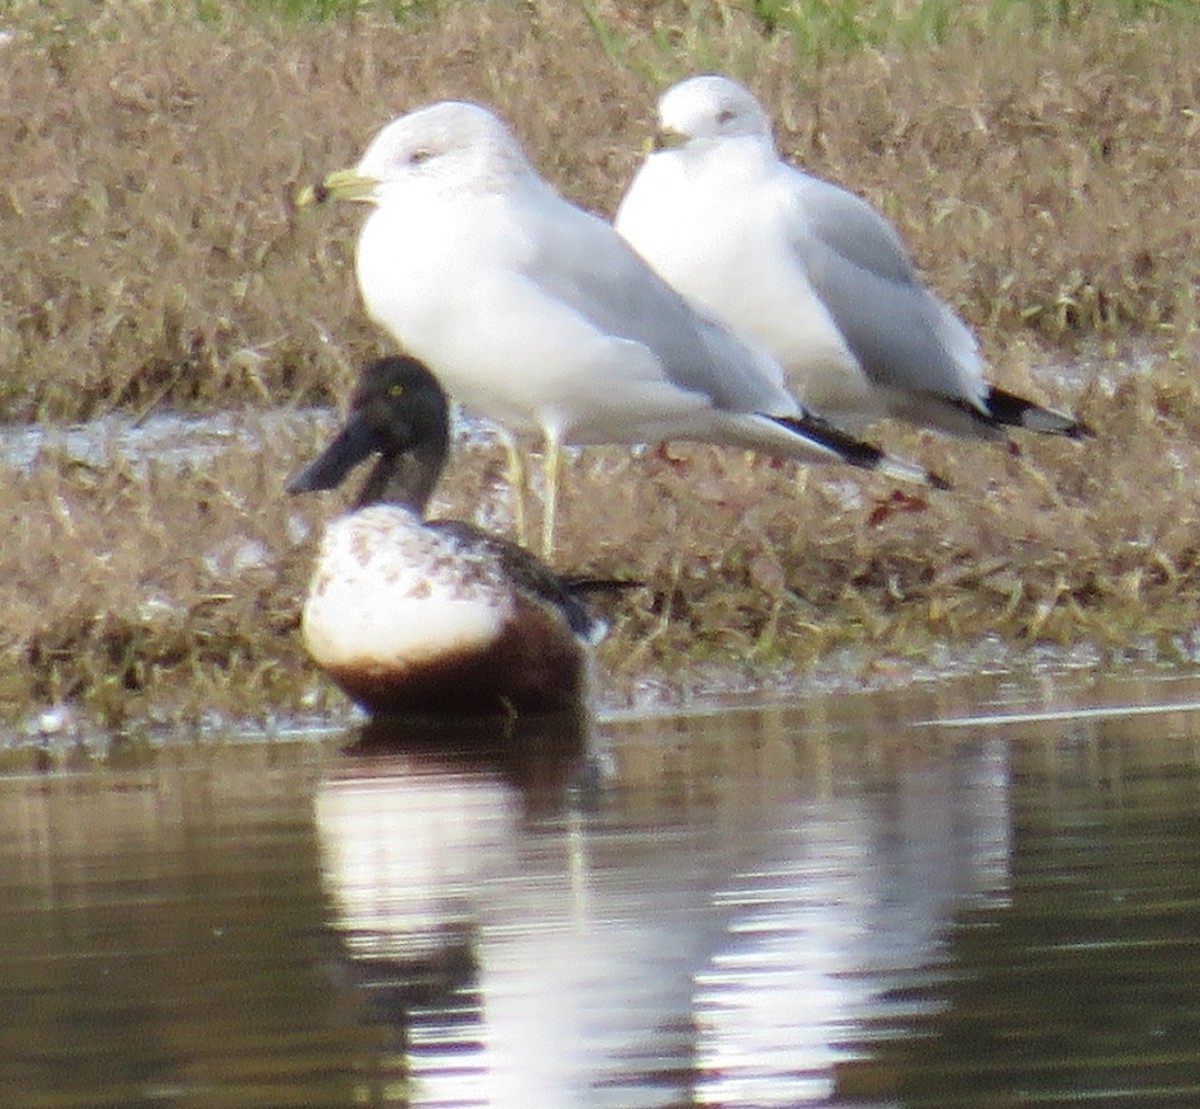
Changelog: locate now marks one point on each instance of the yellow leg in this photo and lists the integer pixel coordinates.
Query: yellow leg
(550, 470)
(515, 473)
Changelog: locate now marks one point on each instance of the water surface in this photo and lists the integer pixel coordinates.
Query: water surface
(979, 893)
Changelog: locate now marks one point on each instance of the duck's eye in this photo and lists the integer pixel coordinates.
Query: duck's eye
(726, 115)
(396, 391)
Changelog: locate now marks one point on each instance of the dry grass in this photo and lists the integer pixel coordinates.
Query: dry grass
(1048, 183)
(123, 582)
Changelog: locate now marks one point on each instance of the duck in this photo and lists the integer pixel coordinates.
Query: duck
(411, 615)
(811, 272)
(536, 314)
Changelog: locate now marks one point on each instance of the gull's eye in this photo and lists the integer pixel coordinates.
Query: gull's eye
(726, 115)
(419, 155)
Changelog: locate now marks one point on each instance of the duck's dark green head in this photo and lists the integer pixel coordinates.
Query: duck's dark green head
(400, 412)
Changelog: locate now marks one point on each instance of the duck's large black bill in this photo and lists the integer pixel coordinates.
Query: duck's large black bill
(357, 440)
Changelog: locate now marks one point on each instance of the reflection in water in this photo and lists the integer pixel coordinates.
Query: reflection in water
(1085, 987)
(406, 838)
(412, 844)
(575, 960)
(157, 932)
(819, 905)
(851, 896)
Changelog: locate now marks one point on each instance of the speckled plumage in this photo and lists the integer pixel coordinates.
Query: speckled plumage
(409, 615)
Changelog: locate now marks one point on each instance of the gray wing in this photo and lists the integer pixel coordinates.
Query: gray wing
(579, 259)
(903, 336)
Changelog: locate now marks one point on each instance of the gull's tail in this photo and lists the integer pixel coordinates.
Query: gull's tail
(1004, 409)
(855, 452)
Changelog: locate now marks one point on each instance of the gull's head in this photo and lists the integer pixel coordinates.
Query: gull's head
(449, 145)
(709, 108)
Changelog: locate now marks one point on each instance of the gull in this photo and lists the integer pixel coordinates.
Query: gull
(538, 315)
(808, 270)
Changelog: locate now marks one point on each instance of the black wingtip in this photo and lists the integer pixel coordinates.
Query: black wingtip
(819, 430)
(855, 452)
(1010, 410)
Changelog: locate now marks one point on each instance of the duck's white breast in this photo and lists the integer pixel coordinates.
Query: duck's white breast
(388, 593)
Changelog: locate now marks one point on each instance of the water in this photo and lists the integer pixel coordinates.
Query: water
(175, 440)
(979, 893)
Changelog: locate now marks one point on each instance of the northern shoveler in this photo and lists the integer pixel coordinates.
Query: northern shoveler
(414, 615)
(809, 270)
(538, 315)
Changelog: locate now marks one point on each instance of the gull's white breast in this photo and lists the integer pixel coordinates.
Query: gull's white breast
(735, 260)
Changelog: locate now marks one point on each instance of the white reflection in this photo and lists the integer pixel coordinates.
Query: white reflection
(520, 963)
(404, 855)
(853, 900)
(580, 960)
(407, 853)
(587, 979)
